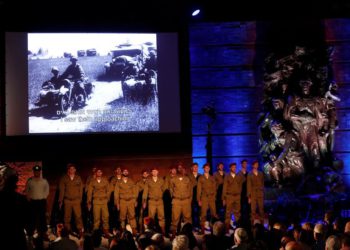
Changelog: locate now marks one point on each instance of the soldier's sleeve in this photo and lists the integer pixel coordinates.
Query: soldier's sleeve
(145, 192)
(61, 189)
(199, 189)
(90, 189)
(136, 190)
(116, 194)
(249, 186)
(111, 185)
(166, 182)
(171, 187)
(216, 180)
(216, 187)
(191, 188)
(109, 189)
(223, 196)
(192, 180)
(163, 186)
(81, 189)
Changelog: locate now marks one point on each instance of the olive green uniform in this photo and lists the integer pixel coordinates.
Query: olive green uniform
(139, 209)
(71, 193)
(206, 194)
(231, 194)
(98, 194)
(255, 191)
(153, 192)
(125, 195)
(181, 189)
(167, 201)
(195, 207)
(219, 179)
(113, 211)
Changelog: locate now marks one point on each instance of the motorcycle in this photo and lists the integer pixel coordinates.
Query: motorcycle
(67, 97)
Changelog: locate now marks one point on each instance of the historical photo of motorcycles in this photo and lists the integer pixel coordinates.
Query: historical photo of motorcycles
(89, 82)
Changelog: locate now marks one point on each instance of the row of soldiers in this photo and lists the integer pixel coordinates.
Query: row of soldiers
(185, 192)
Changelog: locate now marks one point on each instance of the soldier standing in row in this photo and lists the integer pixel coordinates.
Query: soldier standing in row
(167, 197)
(70, 195)
(231, 195)
(255, 192)
(245, 207)
(140, 211)
(194, 176)
(219, 179)
(153, 193)
(181, 189)
(125, 195)
(113, 211)
(97, 197)
(206, 194)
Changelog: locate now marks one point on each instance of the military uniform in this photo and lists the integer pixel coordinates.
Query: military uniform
(113, 212)
(195, 207)
(99, 192)
(206, 194)
(71, 193)
(245, 206)
(153, 192)
(219, 179)
(255, 191)
(125, 195)
(139, 209)
(167, 201)
(231, 194)
(181, 189)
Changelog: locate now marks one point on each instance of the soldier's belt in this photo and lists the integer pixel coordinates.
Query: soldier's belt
(209, 195)
(127, 199)
(71, 199)
(181, 199)
(100, 198)
(155, 199)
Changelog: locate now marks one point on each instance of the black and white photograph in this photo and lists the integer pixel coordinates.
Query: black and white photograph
(89, 82)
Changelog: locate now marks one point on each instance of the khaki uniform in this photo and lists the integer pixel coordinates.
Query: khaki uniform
(113, 212)
(125, 195)
(206, 194)
(113, 181)
(231, 194)
(167, 201)
(99, 193)
(181, 189)
(255, 191)
(71, 193)
(194, 205)
(139, 209)
(153, 192)
(219, 179)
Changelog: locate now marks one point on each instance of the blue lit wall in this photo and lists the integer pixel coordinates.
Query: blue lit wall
(223, 58)
(226, 72)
